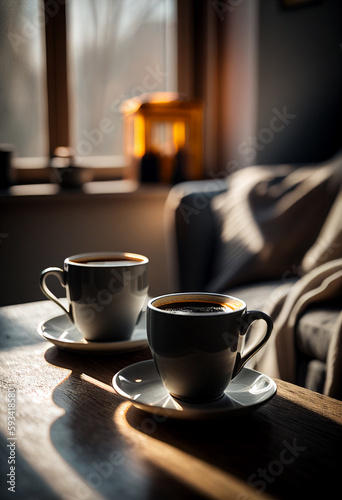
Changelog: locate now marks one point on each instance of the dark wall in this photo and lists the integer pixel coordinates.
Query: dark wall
(299, 78)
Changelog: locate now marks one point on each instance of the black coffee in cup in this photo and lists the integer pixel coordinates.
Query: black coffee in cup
(195, 307)
(108, 261)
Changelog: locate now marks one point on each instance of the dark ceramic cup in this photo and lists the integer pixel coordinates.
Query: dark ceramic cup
(197, 342)
(105, 291)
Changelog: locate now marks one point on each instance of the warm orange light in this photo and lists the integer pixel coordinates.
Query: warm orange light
(164, 124)
(139, 136)
(201, 476)
(96, 382)
(132, 105)
(162, 97)
(178, 131)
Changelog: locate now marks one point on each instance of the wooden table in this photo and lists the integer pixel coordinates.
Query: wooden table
(77, 439)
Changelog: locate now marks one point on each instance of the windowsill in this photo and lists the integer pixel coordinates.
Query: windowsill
(92, 189)
(36, 170)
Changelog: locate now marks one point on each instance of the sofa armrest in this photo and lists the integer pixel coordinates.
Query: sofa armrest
(191, 233)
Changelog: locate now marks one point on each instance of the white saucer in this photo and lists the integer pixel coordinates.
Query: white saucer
(140, 383)
(63, 333)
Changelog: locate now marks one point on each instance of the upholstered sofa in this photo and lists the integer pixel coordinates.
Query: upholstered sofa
(271, 235)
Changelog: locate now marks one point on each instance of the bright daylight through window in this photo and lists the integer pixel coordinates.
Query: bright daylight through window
(23, 103)
(116, 49)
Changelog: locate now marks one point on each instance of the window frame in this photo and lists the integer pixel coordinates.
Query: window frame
(30, 170)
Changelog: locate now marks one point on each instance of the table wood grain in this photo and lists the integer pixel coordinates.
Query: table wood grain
(77, 439)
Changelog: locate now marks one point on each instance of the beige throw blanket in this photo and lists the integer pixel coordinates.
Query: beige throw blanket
(277, 222)
(277, 358)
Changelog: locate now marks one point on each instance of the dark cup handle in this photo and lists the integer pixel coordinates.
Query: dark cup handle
(54, 271)
(246, 320)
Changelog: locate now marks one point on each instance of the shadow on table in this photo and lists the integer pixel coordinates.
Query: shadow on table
(18, 323)
(90, 440)
(273, 450)
(27, 482)
(119, 449)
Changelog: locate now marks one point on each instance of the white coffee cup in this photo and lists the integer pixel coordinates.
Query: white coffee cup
(105, 290)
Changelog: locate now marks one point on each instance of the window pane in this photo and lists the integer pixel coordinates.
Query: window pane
(117, 49)
(23, 117)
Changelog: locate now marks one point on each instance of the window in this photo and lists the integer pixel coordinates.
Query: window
(23, 105)
(115, 49)
(118, 49)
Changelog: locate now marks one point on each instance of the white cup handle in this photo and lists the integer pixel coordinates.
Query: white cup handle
(53, 271)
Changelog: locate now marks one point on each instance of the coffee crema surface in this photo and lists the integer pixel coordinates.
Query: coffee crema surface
(105, 261)
(196, 307)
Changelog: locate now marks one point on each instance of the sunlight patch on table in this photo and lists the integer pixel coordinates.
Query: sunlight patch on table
(197, 474)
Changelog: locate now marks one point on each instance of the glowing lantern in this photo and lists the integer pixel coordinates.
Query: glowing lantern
(163, 138)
